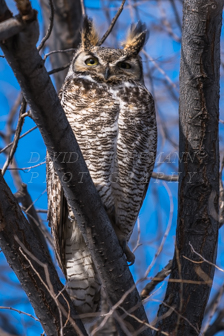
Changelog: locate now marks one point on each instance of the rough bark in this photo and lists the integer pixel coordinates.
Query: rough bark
(198, 199)
(65, 33)
(14, 226)
(27, 65)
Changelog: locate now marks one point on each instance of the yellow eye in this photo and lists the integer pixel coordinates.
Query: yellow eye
(92, 61)
(124, 65)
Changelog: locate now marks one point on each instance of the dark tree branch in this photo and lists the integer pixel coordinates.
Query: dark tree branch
(160, 276)
(13, 228)
(16, 137)
(66, 66)
(50, 27)
(162, 176)
(198, 200)
(10, 27)
(79, 189)
(221, 196)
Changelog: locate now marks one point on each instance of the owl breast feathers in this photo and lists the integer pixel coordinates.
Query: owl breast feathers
(113, 118)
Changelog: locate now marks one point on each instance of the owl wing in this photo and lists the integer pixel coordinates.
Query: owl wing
(57, 211)
(136, 153)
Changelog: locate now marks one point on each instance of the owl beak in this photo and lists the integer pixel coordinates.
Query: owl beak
(107, 73)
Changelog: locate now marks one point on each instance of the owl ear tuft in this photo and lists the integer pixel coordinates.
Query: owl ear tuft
(89, 36)
(136, 38)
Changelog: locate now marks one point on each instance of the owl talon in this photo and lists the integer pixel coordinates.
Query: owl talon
(129, 255)
(123, 243)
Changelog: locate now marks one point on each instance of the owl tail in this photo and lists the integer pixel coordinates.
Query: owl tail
(83, 284)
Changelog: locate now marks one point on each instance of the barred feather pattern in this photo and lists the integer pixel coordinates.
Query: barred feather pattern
(74, 258)
(115, 126)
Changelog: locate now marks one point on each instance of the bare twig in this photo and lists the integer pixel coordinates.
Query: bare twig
(16, 138)
(20, 312)
(161, 176)
(112, 24)
(58, 51)
(41, 210)
(205, 260)
(181, 288)
(49, 287)
(83, 8)
(28, 168)
(168, 79)
(50, 27)
(217, 325)
(160, 276)
(178, 314)
(59, 69)
(143, 322)
(166, 232)
(138, 239)
(213, 311)
(11, 143)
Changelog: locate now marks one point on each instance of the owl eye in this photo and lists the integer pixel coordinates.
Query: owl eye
(92, 61)
(124, 65)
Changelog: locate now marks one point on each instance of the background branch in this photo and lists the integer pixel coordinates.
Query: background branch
(65, 33)
(198, 205)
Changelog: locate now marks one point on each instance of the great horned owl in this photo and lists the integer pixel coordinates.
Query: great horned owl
(113, 118)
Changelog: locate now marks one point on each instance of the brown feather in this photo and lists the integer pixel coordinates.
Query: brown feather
(89, 35)
(136, 38)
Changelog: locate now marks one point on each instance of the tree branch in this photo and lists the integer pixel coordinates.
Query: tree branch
(14, 227)
(198, 200)
(16, 137)
(162, 176)
(112, 24)
(10, 27)
(160, 276)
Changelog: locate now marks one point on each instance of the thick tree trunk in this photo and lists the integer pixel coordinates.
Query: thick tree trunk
(199, 179)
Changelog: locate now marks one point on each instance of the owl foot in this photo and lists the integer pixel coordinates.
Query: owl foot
(124, 245)
(129, 255)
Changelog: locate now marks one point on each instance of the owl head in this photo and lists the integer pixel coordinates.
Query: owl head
(109, 64)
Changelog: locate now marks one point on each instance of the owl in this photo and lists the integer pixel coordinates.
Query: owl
(113, 118)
